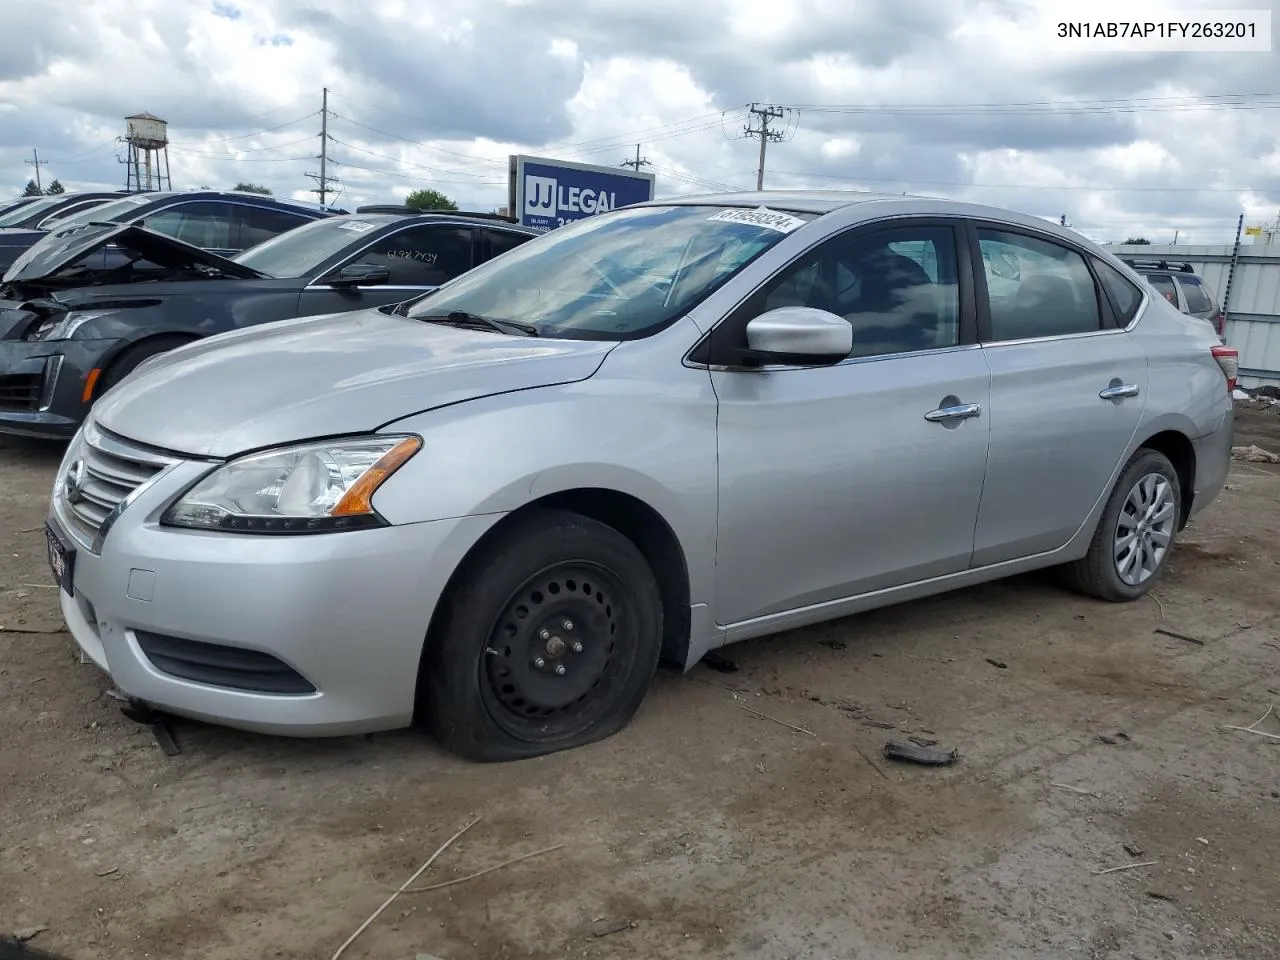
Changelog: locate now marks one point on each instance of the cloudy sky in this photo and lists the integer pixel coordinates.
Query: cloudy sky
(972, 99)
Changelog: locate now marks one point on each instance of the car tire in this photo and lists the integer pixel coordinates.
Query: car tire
(131, 357)
(547, 639)
(1145, 509)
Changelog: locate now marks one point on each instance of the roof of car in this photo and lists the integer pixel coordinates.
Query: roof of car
(383, 219)
(819, 202)
(261, 198)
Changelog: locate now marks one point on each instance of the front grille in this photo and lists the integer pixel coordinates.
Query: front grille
(221, 666)
(112, 469)
(20, 391)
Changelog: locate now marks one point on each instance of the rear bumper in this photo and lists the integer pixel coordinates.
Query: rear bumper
(42, 384)
(1213, 463)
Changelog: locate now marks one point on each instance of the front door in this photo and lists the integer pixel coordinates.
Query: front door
(841, 480)
(1068, 387)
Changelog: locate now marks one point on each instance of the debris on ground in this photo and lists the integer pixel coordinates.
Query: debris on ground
(1160, 895)
(1126, 866)
(923, 741)
(998, 664)
(1133, 850)
(603, 928)
(427, 956)
(1254, 454)
(835, 644)
(720, 663)
(1178, 636)
(910, 753)
(879, 724)
(23, 934)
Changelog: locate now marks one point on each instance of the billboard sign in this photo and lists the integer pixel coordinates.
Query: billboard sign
(546, 193)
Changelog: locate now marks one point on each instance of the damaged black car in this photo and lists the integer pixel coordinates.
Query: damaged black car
(73, 323)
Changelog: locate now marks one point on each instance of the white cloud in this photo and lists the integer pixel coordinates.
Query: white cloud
(438, 95)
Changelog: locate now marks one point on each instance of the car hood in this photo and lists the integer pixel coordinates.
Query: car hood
(324, 376)
(56, 253)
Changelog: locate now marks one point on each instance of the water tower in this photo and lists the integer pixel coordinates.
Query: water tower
(148, 165)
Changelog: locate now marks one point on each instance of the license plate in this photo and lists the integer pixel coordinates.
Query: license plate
(62, 559)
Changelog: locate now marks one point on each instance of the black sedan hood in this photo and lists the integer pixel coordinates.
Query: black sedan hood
(53, 259)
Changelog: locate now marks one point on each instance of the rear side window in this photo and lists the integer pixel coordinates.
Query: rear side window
(1164, 286)
(500, 241)
(1036, 288)
(1124, 295)
(1197, 298)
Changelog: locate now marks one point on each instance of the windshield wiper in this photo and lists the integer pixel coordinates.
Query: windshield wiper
(461, 318)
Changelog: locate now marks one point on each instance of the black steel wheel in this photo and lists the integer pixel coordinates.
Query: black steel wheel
(547, 640)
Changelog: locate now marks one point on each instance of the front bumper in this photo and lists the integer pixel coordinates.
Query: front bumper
(42, 384)
(347, 611)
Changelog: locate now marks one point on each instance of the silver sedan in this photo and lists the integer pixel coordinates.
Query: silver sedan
(645, 435)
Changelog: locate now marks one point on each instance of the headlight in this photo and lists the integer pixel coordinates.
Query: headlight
(304, 489)
(64, 326)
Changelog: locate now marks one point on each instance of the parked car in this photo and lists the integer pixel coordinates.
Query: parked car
(13, 204)
(648, 433)
(68, 332)
(225, 222)
(1177, 282)
(24, 225)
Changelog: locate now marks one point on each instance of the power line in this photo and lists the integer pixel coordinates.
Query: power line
(245, 136)
(1022, 186)
(473, 177)
(236, 155)
(322, 178)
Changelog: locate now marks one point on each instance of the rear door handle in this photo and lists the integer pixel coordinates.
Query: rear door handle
(1119, 391)
(959, 411)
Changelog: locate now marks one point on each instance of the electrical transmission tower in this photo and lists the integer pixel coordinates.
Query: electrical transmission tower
(323, 179)
(638, 162)
(766, 135)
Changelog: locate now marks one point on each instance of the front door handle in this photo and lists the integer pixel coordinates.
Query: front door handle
(1119, 391)
(959, 411)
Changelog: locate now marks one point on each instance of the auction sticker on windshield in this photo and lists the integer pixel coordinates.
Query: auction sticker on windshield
(760, 217)
(356, 226)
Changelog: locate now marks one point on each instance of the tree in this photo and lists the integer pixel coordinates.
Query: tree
(55, 188)
(253, 188)
(1139, 241)
(32, 190)
(429, 200)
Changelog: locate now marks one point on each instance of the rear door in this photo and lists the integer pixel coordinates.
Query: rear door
(419, 257)
(1068, 386)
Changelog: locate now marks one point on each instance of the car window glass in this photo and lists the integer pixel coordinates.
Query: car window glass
(202, 224)
(897, 288)
(258, 224)
(1124, 294)
(1036, 288)
(28, 210)
(67, 211)
(500, 241)
(425, 256)
(1197, 300)
(1164, 286)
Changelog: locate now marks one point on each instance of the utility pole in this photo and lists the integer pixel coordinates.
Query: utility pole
(36, 162)
(322, 179)
(764, 133)
(637, 163)
(1062, 221)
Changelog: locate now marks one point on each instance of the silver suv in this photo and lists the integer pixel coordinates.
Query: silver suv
(646, 434)
(1177, 282)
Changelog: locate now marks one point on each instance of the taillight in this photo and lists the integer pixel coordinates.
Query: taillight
(1229, 360)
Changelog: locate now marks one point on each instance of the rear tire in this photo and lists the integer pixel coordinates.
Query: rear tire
(131, 357)
(547, 640)
(1137, 532)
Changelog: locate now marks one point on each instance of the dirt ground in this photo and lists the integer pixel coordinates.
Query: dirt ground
(1089, 741)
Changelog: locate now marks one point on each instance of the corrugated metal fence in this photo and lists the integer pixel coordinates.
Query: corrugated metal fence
(1253, 321)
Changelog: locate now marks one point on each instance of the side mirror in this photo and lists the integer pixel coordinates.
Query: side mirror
(358, 275)
(803, 336)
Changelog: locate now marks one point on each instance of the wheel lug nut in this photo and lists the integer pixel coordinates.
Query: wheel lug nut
(577, 646)
(560, 669)
(544, 634)
(539, 662)
(568, 624)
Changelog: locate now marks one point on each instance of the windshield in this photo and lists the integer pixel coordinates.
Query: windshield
(303, 249)
(618, 276)
(27, 209)
(115, 210)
